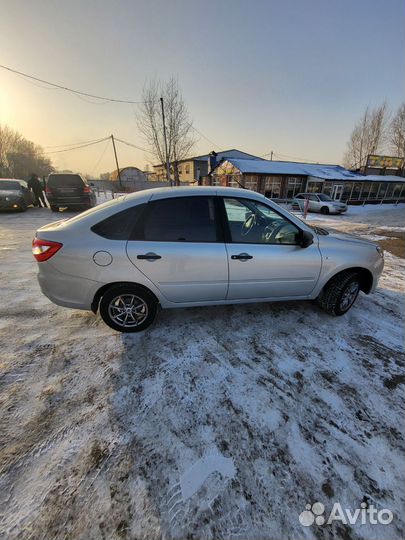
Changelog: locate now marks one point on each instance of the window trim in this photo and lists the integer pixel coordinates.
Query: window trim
(227, 230)
(138, 231)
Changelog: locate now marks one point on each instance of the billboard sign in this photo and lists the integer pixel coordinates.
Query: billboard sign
(385, 162)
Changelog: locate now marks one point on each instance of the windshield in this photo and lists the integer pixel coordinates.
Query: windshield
(9, 185)
(66, 180)
(323, 197)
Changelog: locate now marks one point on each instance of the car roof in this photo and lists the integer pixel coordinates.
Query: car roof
(64, 174)
(163, 192)
(21, 182)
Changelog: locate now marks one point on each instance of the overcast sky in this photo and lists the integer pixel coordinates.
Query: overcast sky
(290, 76)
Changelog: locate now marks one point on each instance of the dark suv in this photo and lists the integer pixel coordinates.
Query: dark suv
(69, 190)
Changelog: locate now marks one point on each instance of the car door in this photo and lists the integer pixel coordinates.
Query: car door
(179, 247)
(313, 203)
(265, 257)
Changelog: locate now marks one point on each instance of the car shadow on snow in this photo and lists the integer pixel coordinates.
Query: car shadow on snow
(235, 417)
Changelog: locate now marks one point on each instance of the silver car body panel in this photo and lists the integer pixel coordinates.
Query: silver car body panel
(193, 274)
(275, 271)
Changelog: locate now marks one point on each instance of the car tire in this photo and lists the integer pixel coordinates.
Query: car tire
(340, 293)
(128, 308)
(325, 210)
(54, 208)
(23, 207)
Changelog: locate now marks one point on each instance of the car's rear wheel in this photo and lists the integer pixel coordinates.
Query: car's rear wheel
(325, 210)
(128, 308)
(340, 293)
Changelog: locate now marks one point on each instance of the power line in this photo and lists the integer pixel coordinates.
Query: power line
(295, 157)
(67, 89)
(76, 147)
(70, 144)
(291, 157)
(206, 138)
(101, 157)
(133, 145)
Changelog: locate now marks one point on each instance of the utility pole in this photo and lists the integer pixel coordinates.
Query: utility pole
(165, 137)
(116, 161)
(271, 155)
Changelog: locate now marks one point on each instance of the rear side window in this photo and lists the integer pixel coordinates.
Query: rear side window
(67, 180)
(119, 226)
(183, 219)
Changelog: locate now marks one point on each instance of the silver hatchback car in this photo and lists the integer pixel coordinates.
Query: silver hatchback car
(197, 246)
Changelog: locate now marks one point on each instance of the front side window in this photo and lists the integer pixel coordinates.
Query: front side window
(251, 222)
(324, 197)
(182, 219)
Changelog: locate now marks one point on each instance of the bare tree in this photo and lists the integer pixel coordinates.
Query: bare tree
(179, 127)
(8, 141)
(368, 137)
(397, 132)
(20, 157)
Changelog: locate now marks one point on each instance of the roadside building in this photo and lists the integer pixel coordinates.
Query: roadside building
(131, 178)
(195, 168)
(282, 181)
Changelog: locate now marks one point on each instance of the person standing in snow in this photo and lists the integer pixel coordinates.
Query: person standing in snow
(36, 187)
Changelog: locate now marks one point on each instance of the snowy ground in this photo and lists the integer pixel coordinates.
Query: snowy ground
(219, 422)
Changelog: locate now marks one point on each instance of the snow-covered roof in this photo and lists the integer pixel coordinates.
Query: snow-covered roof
(264, 166)
(383, 178)
(225, 154)
(290, 168)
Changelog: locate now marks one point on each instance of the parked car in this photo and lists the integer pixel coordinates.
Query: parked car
(319, 202)
(15, 195)
(69, 191)
(197, 246)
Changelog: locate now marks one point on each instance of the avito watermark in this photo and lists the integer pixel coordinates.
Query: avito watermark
(366, 514)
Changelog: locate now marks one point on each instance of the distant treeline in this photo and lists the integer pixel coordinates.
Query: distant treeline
(19, 158)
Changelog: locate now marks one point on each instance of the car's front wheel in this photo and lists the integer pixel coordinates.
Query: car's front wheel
(325, 210)
(54, 208)
(338, 296)
(128, 308)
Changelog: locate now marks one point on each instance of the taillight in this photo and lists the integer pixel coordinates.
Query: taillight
(87, 189)
(47, 190)
(44, 249)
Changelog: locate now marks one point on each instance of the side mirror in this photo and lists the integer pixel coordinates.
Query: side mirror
(306, 239)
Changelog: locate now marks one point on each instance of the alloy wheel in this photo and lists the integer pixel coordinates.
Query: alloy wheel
(349, 295)
(128, 310)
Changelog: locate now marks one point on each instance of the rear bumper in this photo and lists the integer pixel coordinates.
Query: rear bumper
(84, 201)
(65, 290)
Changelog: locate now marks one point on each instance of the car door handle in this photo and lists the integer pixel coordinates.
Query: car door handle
(241, 257)
(149, 257)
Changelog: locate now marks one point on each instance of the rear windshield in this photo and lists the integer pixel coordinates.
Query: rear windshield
(68, 180)
(9, 185)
